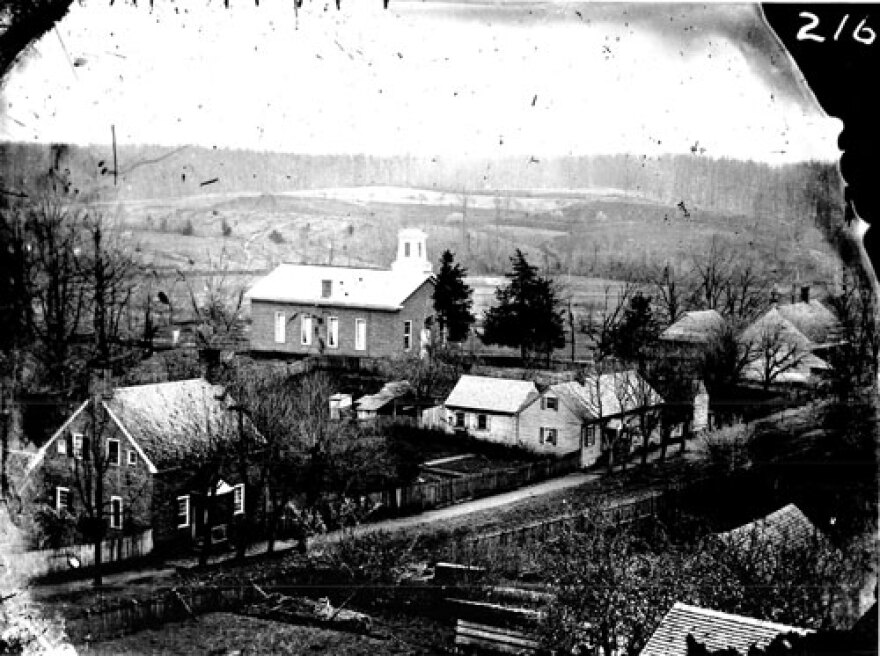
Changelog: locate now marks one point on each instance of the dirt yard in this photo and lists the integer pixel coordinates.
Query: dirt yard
(227, 634)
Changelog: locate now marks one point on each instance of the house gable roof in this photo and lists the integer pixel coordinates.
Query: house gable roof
(500, 395)
(607, 395)
(697, 327)
(37, 459)
(379, 289)
(715, 629)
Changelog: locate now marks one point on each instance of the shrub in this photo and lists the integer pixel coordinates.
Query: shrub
(728, 448)
(276, 237)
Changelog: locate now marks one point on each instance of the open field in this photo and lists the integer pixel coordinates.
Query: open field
(597, 233)
(227, 633)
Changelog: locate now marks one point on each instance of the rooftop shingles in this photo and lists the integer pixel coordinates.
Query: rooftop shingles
(715, 629)
(698, 327)
(784, 526)
(171, 421)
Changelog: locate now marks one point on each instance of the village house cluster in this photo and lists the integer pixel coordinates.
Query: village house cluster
(152, 434)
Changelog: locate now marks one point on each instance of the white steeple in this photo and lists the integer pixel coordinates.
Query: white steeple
(412, 252)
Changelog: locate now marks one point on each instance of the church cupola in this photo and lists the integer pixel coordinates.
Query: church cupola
(412, 252)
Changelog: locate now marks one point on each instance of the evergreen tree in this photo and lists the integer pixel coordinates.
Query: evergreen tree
(452, 299)
(637, 329)
(528, 315)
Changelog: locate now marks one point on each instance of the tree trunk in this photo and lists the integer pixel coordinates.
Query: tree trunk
(99, 525)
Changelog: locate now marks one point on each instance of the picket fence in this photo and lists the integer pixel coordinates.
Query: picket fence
(474, 548)
(426, 496)
(49, 561)
(172, 606)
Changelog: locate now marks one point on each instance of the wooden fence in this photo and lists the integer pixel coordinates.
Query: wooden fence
(49, 561)
(131, 616)
(426, 496)
(472, 549)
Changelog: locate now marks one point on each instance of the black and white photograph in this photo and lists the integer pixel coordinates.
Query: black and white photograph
(413, 327)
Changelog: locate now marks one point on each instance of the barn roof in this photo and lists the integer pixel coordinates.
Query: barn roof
(608, 394)
(715, 629)
(500, 395)
(698, 327)
(379, 289)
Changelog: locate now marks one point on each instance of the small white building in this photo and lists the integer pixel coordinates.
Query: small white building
(488, 408)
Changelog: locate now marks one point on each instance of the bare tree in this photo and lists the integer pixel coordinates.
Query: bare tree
(57, 287)
(746, 294)
(218, 307)
(672, 291)
(601, 326)
(775, 353)
(713, 271)
(643, 398)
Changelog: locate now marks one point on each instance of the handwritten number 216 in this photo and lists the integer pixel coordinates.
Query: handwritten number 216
(862, 33)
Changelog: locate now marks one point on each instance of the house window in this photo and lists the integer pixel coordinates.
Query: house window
(132, 458)
(114, 455)
(63, 499)
(459, 420)
(407, 335)
(590, 436)
(548, 436)
(62, 444)
(280, 328)
(80, 446)
(551, 403)
(183, 511)
(115, 512)
(483, 422)
(333, 332)
(238, 499)
(326, 288)
(360, 334)
(420, 249)
(406, 249)
(305, 331)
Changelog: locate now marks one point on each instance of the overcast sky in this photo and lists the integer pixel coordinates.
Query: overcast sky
(457, 78)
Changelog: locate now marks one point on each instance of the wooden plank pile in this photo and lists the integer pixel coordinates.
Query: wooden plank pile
(487, 628)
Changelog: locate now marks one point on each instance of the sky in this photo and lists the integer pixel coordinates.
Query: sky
(428, 78)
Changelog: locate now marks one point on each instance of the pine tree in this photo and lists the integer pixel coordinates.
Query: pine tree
(637, 329)
(452, 299)
(528, 314)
